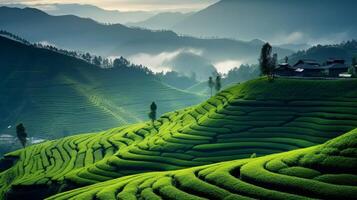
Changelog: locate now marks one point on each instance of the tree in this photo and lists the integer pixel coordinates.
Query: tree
(21, 134)
(152, 114)
(87, 57)
(218, 84)
(211, 84)
(121, 62)
(266, 61)
(352, 69)
(97, 60)
(286, 60)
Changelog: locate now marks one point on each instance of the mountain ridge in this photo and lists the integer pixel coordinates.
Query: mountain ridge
(118, 40)
(277, 21)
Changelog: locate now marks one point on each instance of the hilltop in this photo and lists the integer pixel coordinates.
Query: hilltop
(256, 117)
(56, 95)
(325, 171)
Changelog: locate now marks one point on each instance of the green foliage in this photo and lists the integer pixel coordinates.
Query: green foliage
(56, 95)
(266, 60)
(152, 114)
(239, 179)
(248, 118)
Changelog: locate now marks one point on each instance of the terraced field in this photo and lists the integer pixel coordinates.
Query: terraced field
(325, 171)
(256, 117)
(56, 95)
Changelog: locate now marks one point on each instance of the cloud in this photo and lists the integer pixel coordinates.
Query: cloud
(160, 62)
(226, 65)
(298, 37)
(45, 43)
(333, 38)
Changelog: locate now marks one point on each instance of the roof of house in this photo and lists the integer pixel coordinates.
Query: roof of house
(306, 64)
(335, 66)
(330, 61)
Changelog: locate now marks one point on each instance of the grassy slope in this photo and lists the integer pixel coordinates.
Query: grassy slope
(325, 171)
(255, 117)
(53, 94)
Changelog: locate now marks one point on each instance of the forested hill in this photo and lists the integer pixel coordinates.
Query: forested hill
(321, 53)
(54, 94)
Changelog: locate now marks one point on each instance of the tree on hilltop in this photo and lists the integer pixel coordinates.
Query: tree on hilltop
(21, 134)
(152, 114)
(121, 62)
(211, 84)
(266, 61)
(218, 84)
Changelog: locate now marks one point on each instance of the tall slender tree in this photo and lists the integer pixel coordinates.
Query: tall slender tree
(266, 61)
(152, 114)
(353, 69)
(218, 84)
(21, 134)
(286, 59)
(211, 84)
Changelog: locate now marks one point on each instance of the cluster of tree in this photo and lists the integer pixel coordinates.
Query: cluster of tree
(15, 37)
(267, 62)
(348, 45)
(217, 84)
(100, 61)
(242, 73)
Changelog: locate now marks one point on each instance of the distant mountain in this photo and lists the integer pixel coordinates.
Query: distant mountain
(278, 21)
(54, 94)
(93, 12)
(322, 53)
(162, 21)
(71, 32)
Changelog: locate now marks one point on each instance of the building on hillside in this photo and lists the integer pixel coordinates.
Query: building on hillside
(284, 69)
(311, 68)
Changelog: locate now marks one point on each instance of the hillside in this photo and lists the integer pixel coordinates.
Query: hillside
(255, 117)
(321, 53)
(71, 32)
(277, 21)
(325, 171)
(56, 95)
(162, 21)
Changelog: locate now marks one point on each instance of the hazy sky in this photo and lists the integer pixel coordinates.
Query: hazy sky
(130, 5)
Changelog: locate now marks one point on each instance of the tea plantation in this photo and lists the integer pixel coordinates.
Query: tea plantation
(256, 117)
(325, 171)
(56, 95)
